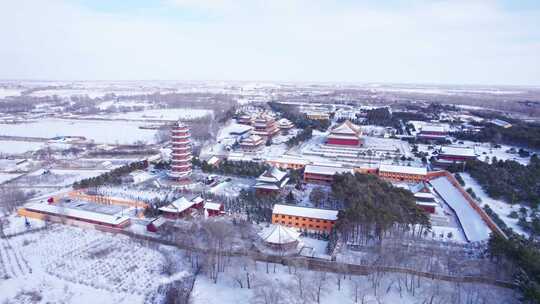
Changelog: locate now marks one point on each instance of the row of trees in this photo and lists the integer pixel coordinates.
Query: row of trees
(306, 134)
(300, 120)
(112, 177)
(521, 133)
(508, 180)
(373, 208)
(238, 168)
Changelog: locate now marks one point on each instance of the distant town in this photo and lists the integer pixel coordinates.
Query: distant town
(203, 192)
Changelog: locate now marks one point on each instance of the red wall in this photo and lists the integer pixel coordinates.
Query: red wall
(343, 142)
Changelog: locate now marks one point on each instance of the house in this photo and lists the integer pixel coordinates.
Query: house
(403, 173)
(432, 132)
(346, 134)
(251, 143)
(323, 173)
(181, 207)
(155, 224)
(304, 218)
(455, 154)
(271, 181)
(57, 213)
(213, 209)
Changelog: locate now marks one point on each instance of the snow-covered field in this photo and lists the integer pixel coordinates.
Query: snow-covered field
(57, 177)
(69, 265)
(282, 283)
(5, 177)
(9, 92)
(110, 132)
(164, 114)
(18, 147)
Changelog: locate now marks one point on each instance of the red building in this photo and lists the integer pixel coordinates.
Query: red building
(251, 143)
(456, 154)
(346, 134)
(181, 153)
(433, 132)
(182, 207)
(323, 174)
(244, 119)
(403, 173)
(155, 224)
(265, 126)
(271, 181)
(213, 209)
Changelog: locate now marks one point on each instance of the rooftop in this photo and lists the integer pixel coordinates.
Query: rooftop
(78, 213)
(315, 213)
(403, 169)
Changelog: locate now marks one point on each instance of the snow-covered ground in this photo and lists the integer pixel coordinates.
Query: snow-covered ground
(111, 132)
(164, 114)
(57, 177)
(5, 177)
(281, 282)
(123, 103)
(9, 92)
(501, 208)
(65, 264)
(18, 147)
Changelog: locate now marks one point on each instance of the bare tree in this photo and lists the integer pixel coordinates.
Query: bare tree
(267, 291)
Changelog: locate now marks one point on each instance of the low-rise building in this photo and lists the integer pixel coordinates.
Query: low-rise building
(323, 173)
(456, 154)
(433, 132)
(317, 115)
(271, 181)
(288, 162)
(346, 134)
(251, 143)
(304, 218)
(403, 173)
(181, 207)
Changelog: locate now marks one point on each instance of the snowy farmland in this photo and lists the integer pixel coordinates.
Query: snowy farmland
(57, 177)
(69, 265)
(110, 132)
(164, 114)
(18, 147)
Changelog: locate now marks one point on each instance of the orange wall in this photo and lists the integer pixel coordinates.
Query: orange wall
(303, 222)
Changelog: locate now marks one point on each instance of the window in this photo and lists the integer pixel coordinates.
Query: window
(290, 223)
(310, 226)
(283, 222)
(282, 216)
(317, 226)
(290, 217)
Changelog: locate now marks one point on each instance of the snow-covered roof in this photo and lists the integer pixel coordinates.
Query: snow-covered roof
(473, 225)
(78, 213)
(253, 138)
(424, 195)
(277, 234)
(347, 127)
(431, 204)
(403, 169)
(433, 128)
(239, 129)
(326, 170)
(288, 160)
(272, 175)
(212, 206)
(458, 151)
(213, 160)
(158, 221)
(315, 213)
(178, 205)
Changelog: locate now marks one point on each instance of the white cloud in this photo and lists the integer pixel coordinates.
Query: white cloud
(443, 41)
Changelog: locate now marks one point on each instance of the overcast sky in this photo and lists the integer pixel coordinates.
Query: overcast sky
(413, 41)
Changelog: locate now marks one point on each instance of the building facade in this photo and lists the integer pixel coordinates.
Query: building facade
(346, 134)
(304, 218)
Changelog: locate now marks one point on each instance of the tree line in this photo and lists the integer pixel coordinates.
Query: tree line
(373, 208)
(300, 120)
(112, 177)
(238, 168)
(508, 180)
